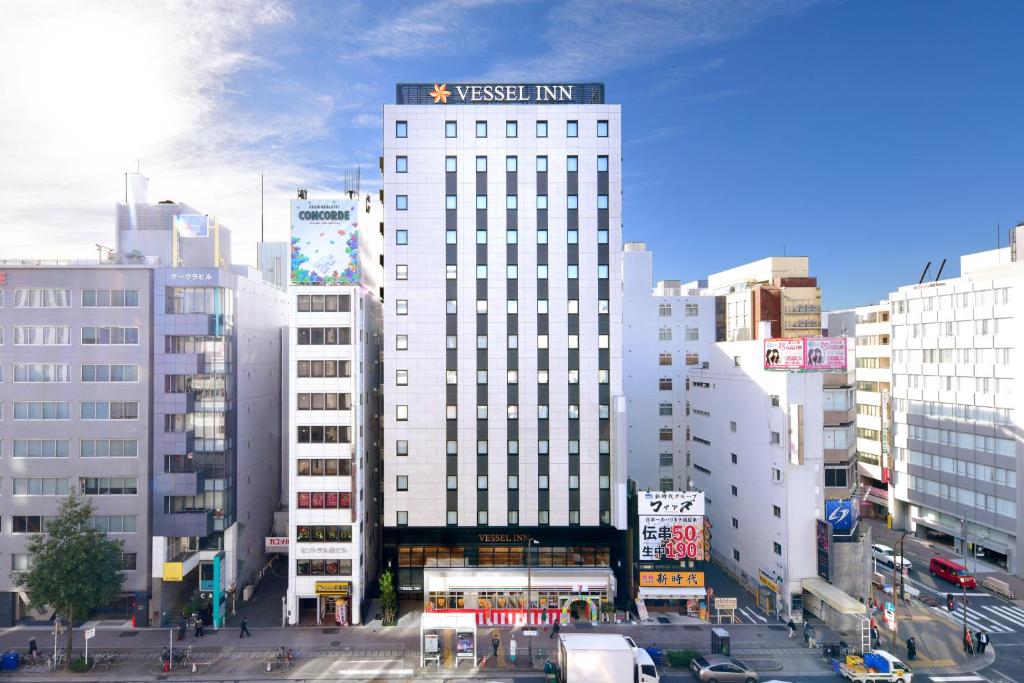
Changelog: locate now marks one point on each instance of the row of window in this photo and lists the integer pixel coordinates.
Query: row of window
(956, 494)
(324, 401)
(961, 468)
(987, 297)
(512, 517)
(21, 562)
(451, 202)
(979, 385)
(959, 411)
(511, 237)
(323, 434)
(511, 411)
(61, 448)
(60, 335)
(451, 129)
(511, 447)
(542, 341)
(323, 467)
(61, 372)
(323, 568)
(988, 356)
(324, 368)
(51, 297)
(947, 437)
(324, 500)
(328, 303)
(572, 164)
(963, 328)
(512, 308)
(323, 336)
(511, 377)
(307, 533)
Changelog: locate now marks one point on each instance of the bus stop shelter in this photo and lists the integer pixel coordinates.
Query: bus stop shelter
(439, 628)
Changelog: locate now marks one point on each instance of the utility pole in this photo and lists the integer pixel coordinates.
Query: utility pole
(963, 584)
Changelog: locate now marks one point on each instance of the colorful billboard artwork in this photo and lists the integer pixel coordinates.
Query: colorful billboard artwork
(783, 354)
(325, 242)
(826, 353)
(192, 225)
(805, 353)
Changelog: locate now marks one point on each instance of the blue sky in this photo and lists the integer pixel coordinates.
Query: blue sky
(870, 136)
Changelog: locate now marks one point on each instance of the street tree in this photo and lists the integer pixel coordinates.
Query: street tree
(388, 599)
(73, 566)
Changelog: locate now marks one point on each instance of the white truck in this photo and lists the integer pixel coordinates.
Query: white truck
(603, 658)
(875, 667)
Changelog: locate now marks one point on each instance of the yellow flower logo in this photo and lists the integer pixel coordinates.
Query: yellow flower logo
(440, 93)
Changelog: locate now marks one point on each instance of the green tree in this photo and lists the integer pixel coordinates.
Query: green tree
(73, 567)
(388, 598)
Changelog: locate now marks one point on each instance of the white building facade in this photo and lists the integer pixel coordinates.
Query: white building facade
(956, 367)
(502, 342)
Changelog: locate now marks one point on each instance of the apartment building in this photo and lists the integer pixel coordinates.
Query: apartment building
(150, 380)
(956, 406)
(504, 439)
(334, 408)
(758, 454)
(670, 330)
(778, 290)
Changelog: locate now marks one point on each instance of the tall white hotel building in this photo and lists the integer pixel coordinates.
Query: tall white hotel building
(503, 410)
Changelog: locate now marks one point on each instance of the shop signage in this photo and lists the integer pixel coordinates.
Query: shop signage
(841, 514)
(323, 550)
(725, 603)
(805, 354)
(275, 544)
(671, 579)
(192, 276)
(499, 93)
(504, 538)
(767, 580)
(824, 542)
(3, 278)
(671, 538)
(331, 587)
(671, 502)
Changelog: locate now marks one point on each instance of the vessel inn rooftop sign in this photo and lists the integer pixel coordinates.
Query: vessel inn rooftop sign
(499, 93)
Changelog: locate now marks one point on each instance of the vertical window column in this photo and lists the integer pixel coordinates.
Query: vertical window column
(512, 294)
(573, 322)
(543, 362)
(451, 351)
(481, 354)
(603, 354)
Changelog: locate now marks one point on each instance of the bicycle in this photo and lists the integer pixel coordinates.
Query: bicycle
(106, 659)
(55, 661)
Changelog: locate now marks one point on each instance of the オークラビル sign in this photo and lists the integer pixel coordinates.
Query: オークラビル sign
(499, 93)
(325, 242)
(672, 579)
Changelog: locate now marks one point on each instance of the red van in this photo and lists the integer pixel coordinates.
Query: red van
(951, 571)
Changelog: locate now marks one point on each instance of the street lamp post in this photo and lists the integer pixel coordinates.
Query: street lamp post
(529, 589)
(963, 584)
(897, 571)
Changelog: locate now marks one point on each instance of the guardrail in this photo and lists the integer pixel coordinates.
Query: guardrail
(997, 586)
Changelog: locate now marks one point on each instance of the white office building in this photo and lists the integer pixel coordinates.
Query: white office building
(502, 346)
(670, 330)
(956, 362)
(334, 405)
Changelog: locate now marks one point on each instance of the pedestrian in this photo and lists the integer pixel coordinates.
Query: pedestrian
(810, 640)
(555, 629)
(182, 627)
(495, 642)
(874, 637)
(807, 632)
(982, 641)
(244, 630)
(968, 643)
(196, 625)
(792, 628)
(911, 648)
(512, 650)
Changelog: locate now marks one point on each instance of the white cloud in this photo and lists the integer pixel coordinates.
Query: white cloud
(91, 88)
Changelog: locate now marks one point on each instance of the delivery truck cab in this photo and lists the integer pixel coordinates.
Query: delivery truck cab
(603, 658)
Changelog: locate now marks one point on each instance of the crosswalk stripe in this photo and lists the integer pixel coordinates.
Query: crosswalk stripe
(1006, 614)
(955, 679)
(973, 620)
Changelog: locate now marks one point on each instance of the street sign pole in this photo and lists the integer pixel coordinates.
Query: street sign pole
(89, 634)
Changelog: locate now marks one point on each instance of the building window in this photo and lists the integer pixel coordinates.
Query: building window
(511, 129)
(402, 482)
(402, 377)
(774, 438)
(401, 237)
(665, 409)
(513, 482)
(664, 310)
(481, 482)
(602, 271)
(450, 164)
(602, 201)
(481, 517)
(776, 474)
(691, 309)
(776, 511)
(664, 359)
(666, 484)
(572, 202)
(735, 491)
(602, 129)
(513, 517)
(542, 481)
(572, 164)
(401, 307)
(401, 342)
(481, 201)
(511, 202)
(401, 164)
(736, 554)
(736, 361)
(732, 426)
(572, 129)
(543, 517)
(602, 164)
(481, 129)
(451, 130)
(777, 548)
(481, 165)
(542, 202)
(542, 129)
(735, 458)
(481, 412)
(402, 412)
(453, 482)
(401, 271)
(451, 202)
(665, 384)
(401, 202)
(401, 129)
(837, 476)
(665, 459)
(401, 447)
(665, 434)
(542, 164)
(735, 523)
(453, 517)
(775, 401)
(402, 517)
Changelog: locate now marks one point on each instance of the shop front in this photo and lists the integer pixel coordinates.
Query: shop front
(334, 600)
(515, 596)
(674, 591)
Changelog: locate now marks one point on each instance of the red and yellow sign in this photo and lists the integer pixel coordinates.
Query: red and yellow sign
(671, 579)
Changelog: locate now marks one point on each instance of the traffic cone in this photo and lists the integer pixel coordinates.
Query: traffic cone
(134, 624)
(194, 667)
(167, 666)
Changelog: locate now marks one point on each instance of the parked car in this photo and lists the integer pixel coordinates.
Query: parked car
(887, 556)
(951, 571)
(722, 669)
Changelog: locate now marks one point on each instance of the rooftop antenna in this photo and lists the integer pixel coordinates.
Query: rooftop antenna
(925, 273)
(941, 266)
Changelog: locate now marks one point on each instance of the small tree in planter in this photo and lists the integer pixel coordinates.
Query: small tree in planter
(607, 609)
(388, 599)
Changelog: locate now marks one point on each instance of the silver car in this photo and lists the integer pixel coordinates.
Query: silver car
(722, 669)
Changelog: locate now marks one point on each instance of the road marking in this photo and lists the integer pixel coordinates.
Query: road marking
(954, 679)
(753, 616)
(1012, 614)
(374, 672)
(973, 619)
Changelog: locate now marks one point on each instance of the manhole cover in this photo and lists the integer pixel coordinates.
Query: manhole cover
(335, 643)
(127, 634)
(664, 620)
(691, 627)
(329, 631)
